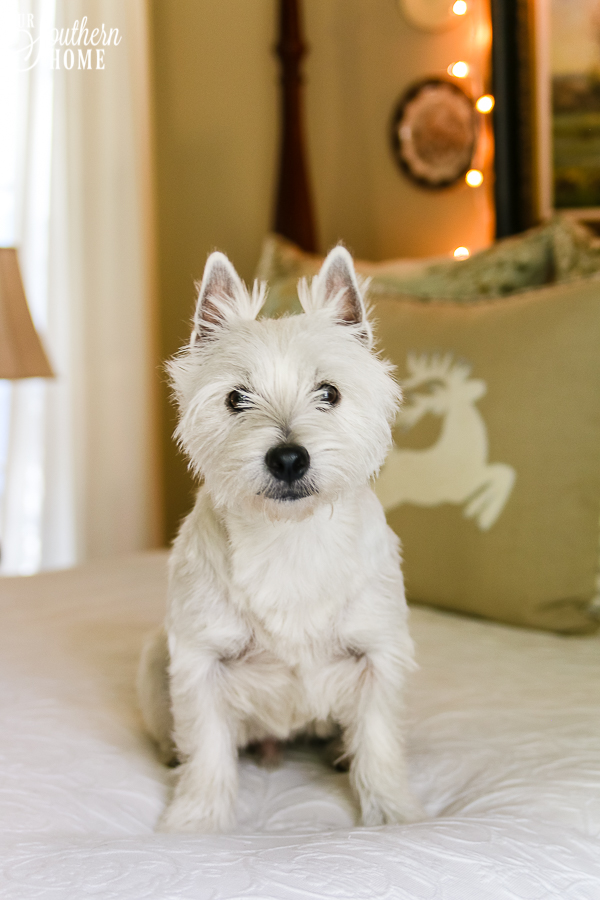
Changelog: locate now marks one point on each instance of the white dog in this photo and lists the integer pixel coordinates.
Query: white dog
(286, 602)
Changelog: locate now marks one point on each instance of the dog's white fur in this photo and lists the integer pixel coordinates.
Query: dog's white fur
(285, 615)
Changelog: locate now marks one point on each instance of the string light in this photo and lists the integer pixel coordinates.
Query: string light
(459, 69)
(459, 8)
(474, 177)
(485, 104)
(461, 253)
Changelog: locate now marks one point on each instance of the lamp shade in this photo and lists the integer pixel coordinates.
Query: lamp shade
(21, 352)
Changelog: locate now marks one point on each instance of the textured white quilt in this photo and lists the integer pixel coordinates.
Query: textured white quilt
(504, 746)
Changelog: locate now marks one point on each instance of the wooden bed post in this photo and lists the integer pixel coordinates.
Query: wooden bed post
(294, 213)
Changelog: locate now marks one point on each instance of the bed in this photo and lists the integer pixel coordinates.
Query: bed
(503, 725)
(504, 751)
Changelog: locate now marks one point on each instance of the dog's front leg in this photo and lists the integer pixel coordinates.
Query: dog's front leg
(373, 739)
(206, 789)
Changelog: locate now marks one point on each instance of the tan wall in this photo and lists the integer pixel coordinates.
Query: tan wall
(216, 121)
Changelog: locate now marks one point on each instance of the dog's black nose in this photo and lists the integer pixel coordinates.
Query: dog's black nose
(287, 462)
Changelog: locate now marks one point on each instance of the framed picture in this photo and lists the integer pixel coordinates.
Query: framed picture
(546, 62)
(574, 72)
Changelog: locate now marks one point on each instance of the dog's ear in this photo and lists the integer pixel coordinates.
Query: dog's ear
(222, 298)
(338, 290)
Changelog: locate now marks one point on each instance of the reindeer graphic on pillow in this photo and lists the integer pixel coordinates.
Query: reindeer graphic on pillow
(455, 469)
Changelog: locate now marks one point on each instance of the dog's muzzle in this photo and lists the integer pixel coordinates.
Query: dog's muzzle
(287, 462)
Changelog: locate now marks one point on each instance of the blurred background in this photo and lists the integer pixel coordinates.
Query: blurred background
(139, 136)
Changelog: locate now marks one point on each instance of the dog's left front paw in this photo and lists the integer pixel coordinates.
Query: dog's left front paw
(400, 810)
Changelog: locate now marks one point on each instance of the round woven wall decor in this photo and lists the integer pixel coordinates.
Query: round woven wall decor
(434, 130)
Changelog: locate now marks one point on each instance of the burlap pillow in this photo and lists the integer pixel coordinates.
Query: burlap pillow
(506, 526)
(493, 484)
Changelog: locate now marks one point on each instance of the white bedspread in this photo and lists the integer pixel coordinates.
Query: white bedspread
(504, 744)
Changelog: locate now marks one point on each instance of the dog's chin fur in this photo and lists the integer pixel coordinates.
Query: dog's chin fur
(286, 600)
(287, 508)
(292, 510)
(263, 506)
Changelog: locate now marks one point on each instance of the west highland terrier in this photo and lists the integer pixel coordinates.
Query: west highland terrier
(286, 602)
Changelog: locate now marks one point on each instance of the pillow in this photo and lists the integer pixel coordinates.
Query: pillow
(562, 250)
(510, 265)
(282, 263)
(575, 249)
(493, 484)
(522, 547)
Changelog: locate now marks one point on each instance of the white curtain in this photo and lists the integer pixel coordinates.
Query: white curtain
(81, 469)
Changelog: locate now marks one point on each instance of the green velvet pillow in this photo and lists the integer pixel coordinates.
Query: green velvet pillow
(511, 265)
(575, 249)
(560, 251)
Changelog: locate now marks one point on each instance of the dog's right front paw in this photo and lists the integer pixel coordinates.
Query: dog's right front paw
(185, 816)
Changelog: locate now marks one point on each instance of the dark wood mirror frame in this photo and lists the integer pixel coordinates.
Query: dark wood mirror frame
(513, 77)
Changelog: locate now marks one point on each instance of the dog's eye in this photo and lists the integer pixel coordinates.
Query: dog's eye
(238, 400)
(327, 395)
